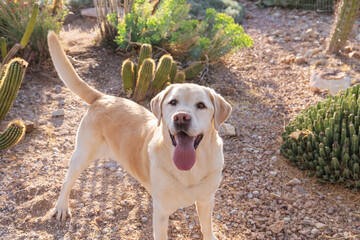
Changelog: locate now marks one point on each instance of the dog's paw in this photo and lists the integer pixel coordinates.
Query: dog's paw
(61, 214)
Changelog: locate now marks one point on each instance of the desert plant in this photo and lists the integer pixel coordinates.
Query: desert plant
(138, 77)
(325, 139)
(13, 15)
(166, 25)
(11, 75)
(345, 18)
(231, 8)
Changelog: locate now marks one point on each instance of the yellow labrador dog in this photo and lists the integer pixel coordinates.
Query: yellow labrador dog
(174, 152)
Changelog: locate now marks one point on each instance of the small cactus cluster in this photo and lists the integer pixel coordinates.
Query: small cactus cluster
(141, 78)
(11, 75)
(325, 139)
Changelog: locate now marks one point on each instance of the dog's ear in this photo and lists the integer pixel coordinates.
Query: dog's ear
(157, 102)
(222, 109)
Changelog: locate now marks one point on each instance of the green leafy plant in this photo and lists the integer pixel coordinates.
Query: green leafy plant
(325, 139)
(167, 25)
(13, 15)
(139, 79)
(231, 8)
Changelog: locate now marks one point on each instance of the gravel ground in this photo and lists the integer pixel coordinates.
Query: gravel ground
(261, 195)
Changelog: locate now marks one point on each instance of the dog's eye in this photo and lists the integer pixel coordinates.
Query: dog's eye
(173, 102)
(200, 105)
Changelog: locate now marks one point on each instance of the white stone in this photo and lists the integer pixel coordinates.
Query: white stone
(227, 129)
(88, 12)
(293, 182)
(333, 81)
(273, 173)
(320, 226)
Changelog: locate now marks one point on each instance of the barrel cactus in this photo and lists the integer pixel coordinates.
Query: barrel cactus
(325, 139)
(137, 78)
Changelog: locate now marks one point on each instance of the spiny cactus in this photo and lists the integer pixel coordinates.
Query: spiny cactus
(144, 78)
(128, 76)
(193, 70)
(345, 18)
(165, 74)
(325, 139)
(11, 75)
(162, 74)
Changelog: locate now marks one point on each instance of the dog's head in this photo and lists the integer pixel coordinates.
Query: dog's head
(189, 112)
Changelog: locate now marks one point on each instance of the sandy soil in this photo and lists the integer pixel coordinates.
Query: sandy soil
(254, 200)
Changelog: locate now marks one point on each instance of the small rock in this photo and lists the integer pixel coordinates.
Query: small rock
(195, 236)
(277, 227)
(312, 33)
(297, 39)
(144, 219)
(227, 129)
(288, 59)
(277, 15)
(293, 182)
(300, 59)
(256, 193)
(355, 55)
(29, 126)
(274, 159)
(315, 231)
(305, 232)
(331, 80)
(58, 113)
(320, 226)
(110, 212)
(273, 173)
(58, 90)
(88, 12)
(218, 217)
(250, 195)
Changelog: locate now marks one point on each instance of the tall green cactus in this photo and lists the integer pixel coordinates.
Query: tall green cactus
(162, 74)
(144, 78)
(11, 75)
(128, 76)
(325, 139)
(345, 18)
(145, 52)
(11, 78)
(193, 70)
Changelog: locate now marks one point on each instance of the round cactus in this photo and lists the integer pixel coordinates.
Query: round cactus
(325, 138)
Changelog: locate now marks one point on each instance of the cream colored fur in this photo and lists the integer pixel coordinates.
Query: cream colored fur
(140, 141)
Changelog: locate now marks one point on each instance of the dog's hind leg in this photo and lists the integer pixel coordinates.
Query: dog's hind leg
(80, 159)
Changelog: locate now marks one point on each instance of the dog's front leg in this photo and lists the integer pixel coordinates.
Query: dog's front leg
(204, 209)
(160, 221)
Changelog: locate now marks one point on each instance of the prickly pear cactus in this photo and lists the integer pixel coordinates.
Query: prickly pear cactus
(325, 139)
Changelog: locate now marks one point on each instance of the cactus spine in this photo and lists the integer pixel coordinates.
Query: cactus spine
(144, 78)
(128, 76)
(193, 70)
(162, 74)
(344, 22)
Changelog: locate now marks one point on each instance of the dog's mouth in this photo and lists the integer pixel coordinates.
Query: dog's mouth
(184, 153)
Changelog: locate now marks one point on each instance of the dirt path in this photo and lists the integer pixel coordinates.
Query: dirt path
(253, 201)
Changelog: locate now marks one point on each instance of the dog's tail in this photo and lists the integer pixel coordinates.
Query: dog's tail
(67, 72)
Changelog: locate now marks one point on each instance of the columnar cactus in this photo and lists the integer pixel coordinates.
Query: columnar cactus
(325, 139)
(11, 78)
(11, 75)
(345, 18)
(144, 78)
(137, 79)
(193, 70)
(162, 74)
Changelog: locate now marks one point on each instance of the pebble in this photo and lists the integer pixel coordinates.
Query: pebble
(293, 182)
(58, 90)
(57, 113)
(218, 217)
(195, 236)
(320, 226)
(274, 159)
(250, 195)
(273, 173)
(300, 59)
(144, 219)
(256, 193)
(227, 129)
(315, 231)
(110, 212)
(277, 15)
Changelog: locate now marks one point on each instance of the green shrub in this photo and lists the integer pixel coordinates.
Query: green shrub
(13, 18)
(169, 27)
(231, 8)
(325, 139)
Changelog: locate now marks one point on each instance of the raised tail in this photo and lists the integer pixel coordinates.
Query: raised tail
(67, 72)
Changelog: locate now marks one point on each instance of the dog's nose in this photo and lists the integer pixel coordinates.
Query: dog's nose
(181, 118)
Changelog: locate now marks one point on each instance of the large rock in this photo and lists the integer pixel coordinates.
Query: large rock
(331, 80)
(88, 12)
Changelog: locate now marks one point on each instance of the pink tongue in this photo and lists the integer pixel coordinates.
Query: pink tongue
(184, 153)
